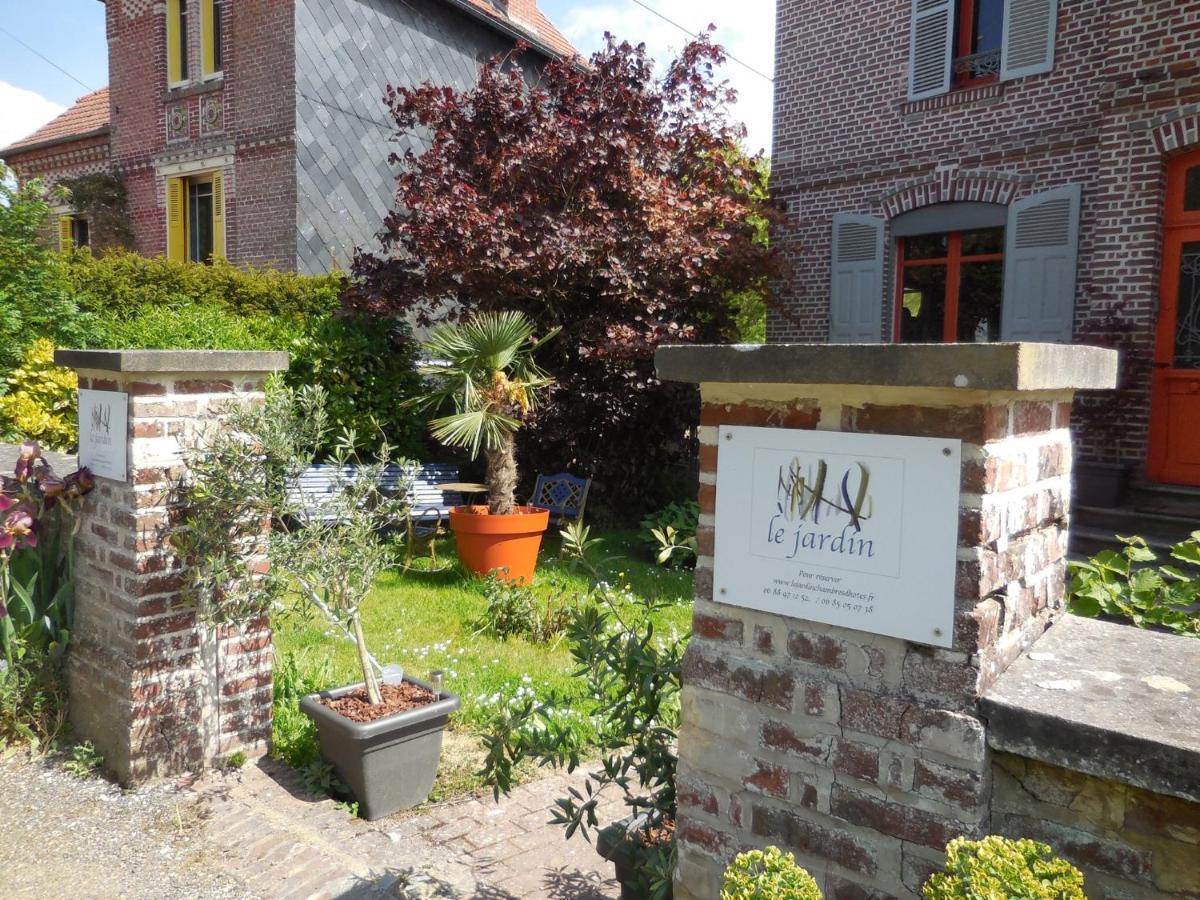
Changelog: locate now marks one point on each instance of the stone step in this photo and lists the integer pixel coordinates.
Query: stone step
(1086, 542)
(1167, 499)
(1129, 521)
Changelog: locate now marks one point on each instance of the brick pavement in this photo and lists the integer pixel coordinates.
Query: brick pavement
(261, 828)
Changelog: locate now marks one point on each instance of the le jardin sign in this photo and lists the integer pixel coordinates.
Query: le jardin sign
(103, 423)
(854, 530)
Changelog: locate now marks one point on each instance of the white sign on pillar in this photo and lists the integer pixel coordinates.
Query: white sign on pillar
(854, 530)
(103, 430)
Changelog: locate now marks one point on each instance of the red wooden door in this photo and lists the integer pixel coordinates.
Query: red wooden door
(1175, 404)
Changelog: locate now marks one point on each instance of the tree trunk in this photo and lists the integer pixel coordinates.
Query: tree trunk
(502, 477)
(364, 659)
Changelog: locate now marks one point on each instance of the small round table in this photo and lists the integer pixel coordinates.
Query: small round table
(462, 487)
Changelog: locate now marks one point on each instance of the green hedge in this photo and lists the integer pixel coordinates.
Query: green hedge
(121, 281)
(124, 301)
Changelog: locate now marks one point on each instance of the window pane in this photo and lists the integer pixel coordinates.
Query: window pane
(200, 222)
(218, 61)
(980, 295)
(923, 304)
(983, 242)
(183, 40)
(82, 233)
(989, 26)
(1191, 190)
(927, 246)
(1187, 330)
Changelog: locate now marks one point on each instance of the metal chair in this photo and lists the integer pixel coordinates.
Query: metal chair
(563, 494)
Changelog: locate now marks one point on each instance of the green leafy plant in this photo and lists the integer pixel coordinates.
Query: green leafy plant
(484, 367)
(325, 554)
(39, 515)
(671, 532)
(997, 867)
(1128, 585)
(517, 610)
(768, 875)
(84, 760)
(39, 400)
(633, 673)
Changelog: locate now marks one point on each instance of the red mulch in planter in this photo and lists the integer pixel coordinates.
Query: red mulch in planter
(396, 698)
(660, 836)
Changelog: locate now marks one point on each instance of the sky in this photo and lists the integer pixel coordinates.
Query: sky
(70, 34)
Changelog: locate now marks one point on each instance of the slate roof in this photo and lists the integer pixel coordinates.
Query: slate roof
(88, 115)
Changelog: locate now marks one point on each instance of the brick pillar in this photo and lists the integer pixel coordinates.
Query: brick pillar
(864, 754)
(155, 690)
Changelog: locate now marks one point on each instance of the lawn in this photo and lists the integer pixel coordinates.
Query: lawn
(432, 620)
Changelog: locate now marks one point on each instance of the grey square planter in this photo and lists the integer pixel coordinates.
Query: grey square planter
(388, 764)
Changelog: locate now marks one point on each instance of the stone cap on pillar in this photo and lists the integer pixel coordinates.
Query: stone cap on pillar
(986, 367)
(148, 361)
(1112, 700)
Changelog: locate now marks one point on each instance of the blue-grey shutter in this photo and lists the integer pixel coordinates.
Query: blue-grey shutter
(1028, 42)
(1039, 267)
(856, 298)
(932, 43)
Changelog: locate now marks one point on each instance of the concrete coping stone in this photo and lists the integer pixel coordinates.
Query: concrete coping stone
(159, 361)
(1109, 700)
(986, 367)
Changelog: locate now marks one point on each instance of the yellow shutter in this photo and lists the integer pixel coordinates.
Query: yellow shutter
(218, 215)
(66, 233)
(208, 44)
(176, 220)
(174, 57)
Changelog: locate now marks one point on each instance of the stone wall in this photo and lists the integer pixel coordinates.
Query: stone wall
(157, 691)
(1131, 843)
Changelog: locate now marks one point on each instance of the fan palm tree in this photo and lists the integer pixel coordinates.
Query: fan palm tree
(484, 366)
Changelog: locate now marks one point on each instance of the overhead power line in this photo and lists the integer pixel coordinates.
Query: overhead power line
(690, 33)
(47, 59)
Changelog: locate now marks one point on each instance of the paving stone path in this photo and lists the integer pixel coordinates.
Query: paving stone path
(255, 833)
(63, 463)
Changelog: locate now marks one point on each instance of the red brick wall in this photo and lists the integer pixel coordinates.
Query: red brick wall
(845, 143)
(256, 98)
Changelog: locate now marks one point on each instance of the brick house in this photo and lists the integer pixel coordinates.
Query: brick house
(256, 130)
(981, 170)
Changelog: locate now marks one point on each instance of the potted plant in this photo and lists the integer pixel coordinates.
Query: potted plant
(383, 737)
(484, 367)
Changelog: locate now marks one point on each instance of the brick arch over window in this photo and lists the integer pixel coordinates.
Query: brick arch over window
(1178, 134)
(951, 185)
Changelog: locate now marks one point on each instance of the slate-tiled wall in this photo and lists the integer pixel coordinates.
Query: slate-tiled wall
(347, 52)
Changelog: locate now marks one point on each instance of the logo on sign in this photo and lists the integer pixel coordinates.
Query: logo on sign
(828, 510)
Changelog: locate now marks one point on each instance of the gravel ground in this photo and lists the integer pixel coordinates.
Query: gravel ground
(62, 836)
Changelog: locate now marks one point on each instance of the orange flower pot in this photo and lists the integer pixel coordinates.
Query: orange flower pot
(507, 545)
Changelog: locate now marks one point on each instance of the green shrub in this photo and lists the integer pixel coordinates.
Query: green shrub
(768, 875)
(517, 610)
(671, 532)
(194, 326)
(125, 281)
(35, 299)
(38, 400)
(1127, 585)
(997, 867)
(367, 371)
